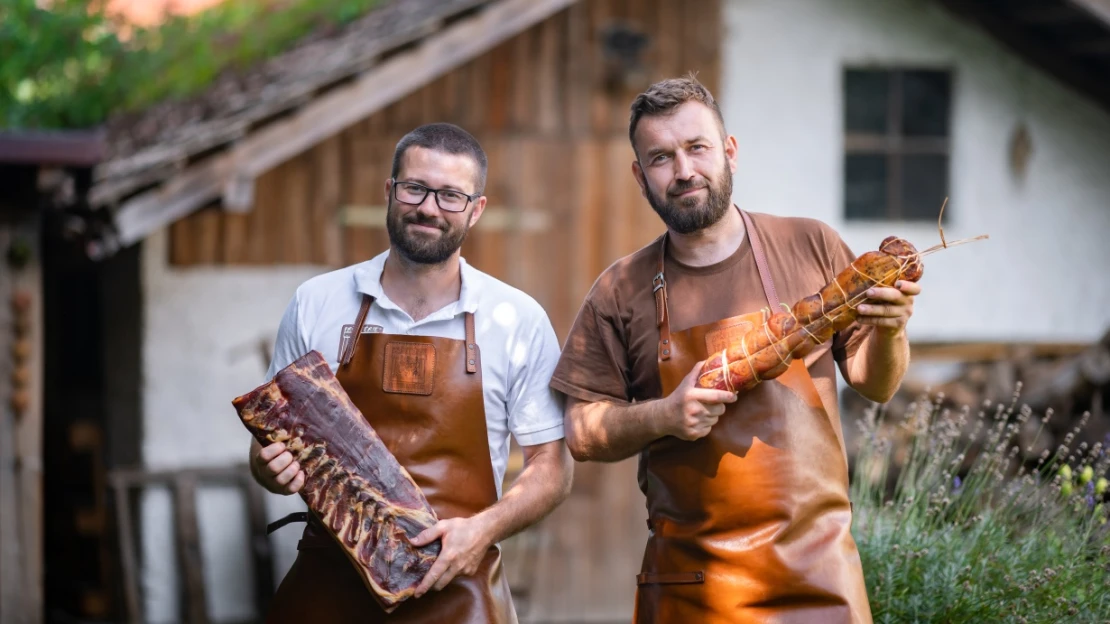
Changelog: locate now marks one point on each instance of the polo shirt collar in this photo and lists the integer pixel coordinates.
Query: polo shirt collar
(368, 280)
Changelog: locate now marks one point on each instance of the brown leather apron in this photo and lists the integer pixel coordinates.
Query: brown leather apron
(436, 428)
(752, 522)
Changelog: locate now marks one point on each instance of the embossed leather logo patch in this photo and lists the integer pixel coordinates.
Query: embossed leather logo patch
(719, 339)
(409, 368)
(348, 332)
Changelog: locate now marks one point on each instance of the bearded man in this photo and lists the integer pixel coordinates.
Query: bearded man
(492, 350)
(747, 494)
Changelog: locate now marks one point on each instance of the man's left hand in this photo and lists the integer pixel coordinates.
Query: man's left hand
(465, 542)
(889, 309)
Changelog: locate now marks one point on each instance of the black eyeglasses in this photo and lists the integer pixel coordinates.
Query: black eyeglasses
(447, 199)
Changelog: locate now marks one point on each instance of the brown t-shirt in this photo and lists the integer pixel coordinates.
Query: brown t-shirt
(611, 351)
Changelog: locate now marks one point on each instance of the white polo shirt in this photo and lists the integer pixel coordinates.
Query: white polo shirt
(518, 345)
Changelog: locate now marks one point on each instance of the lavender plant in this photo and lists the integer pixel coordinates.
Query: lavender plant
(955, 524)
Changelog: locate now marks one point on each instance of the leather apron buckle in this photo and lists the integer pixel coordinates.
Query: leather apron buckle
(300, 516)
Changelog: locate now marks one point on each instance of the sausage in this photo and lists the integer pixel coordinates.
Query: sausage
(765, 352)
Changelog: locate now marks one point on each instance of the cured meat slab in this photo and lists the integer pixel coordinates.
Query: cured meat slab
(367, 501)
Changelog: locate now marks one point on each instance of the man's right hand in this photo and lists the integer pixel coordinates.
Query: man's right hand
(693, 411)
(276, 470)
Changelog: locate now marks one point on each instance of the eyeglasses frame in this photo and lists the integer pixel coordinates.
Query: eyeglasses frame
(428, 189)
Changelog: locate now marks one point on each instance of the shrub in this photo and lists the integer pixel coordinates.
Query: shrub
(970, 529)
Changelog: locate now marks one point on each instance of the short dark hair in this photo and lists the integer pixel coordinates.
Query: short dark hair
(663, 97)
(443, 137)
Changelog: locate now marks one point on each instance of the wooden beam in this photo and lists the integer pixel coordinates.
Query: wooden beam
(990, 351)
(498, 219)
(21, 521)
(28, 433)
(59, 148)
(331, 113)
(1097, 8)
(261, 554)
(1048, 15)
(11, 577)
(1091, 47)
(188, 548)
(1056, 62)
(129, 561)
(238, 194)
(209, 475)
(895, 143)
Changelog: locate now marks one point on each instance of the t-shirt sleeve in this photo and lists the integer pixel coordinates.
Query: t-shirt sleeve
(290, 343)
(594, 363)
(535, 411)
(848, 340)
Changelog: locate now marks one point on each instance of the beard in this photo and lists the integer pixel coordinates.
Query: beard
(423, 248)
(685, 215)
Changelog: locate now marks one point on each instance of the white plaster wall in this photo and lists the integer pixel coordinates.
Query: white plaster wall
(201, 348)
(1042, 275)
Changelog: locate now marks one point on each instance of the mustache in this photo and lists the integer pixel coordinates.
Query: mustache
(682, 186)
(418, 219)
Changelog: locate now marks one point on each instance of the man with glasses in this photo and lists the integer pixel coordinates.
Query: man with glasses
(444, 362)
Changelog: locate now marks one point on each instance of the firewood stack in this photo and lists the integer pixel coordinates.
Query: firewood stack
(1067, 385)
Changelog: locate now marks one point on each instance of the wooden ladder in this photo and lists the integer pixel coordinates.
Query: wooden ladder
(183, 485)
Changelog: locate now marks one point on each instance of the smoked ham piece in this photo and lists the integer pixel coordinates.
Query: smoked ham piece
(356, 488)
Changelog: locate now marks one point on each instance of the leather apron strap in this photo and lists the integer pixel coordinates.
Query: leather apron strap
(761, 262)
(473, 355)
(659, 285)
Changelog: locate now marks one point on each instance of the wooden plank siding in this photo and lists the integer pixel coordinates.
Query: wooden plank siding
(556, 132)
(555, 129)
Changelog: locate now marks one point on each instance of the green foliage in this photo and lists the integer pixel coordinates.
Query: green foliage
(72, 66)
(49, 58)
(964, 533)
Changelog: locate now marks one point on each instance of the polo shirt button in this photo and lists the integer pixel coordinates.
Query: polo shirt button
(471, 362)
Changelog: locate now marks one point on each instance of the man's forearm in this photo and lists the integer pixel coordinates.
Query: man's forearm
(542, 485)
(880, 364)
(607, 432)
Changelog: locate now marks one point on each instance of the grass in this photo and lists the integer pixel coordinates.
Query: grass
(965, 527)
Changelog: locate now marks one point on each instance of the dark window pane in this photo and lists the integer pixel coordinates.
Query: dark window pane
(865, 100)
(865, 186)
(925, 96)
(924, 186)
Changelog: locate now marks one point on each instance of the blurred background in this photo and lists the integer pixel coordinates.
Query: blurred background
(170, 171)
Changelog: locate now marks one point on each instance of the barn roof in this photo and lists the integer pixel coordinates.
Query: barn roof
(72, 148)
(1069, 39)
(176, 157)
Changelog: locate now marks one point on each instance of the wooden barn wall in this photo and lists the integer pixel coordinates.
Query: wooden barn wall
(554, 123)
(553, 119)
